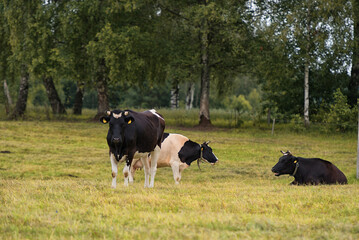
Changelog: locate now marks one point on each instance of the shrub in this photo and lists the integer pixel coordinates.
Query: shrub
(341, 117)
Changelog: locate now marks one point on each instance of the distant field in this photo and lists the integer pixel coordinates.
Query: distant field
(55, 184)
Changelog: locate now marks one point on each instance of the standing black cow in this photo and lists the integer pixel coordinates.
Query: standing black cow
(133, 134)
(308, 170)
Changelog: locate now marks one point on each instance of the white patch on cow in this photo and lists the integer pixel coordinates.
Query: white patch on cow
(153, 111)
(140, 155)
(125, 174)
(154, 157)
(168, 156)
(176, 173)
(128, 172)
(117, 115)
(146, 169)
(114, 169)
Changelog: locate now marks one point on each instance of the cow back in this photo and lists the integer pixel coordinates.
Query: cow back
(146, 132)
(320, 171)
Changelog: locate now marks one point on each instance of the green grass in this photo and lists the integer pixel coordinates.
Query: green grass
(55, 184)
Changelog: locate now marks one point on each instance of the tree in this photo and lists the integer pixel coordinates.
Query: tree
(304, 31)
(4, 55)
(77, 28)
(123, 49)
(19, 19)
(44, 53)
(354, 78)
(218, 37)
(239, 104)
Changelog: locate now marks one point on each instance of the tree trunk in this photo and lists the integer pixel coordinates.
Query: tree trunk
(268, 116)
(306, 72)
(354, 82)
(8, 100)
(54, 99)
(190, 96)
(306, 95)
(174, 95)
(102, 91)
(354, 78)
(20, 107)
(77, 110)
(204, 118)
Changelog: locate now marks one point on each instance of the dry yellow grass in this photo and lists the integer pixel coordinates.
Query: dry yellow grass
(55, 184)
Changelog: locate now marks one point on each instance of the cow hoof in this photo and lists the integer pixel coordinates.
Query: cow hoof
(113, 186)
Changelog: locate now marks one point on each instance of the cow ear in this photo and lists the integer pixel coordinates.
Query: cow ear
(104, 120)
(129, 120)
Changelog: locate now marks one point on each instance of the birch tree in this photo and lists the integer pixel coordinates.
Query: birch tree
(309, 33)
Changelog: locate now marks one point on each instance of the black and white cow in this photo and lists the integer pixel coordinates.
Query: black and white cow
(308, 170)
(178, 152)
(134, 135)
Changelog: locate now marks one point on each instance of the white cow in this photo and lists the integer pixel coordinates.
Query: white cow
(178, 152)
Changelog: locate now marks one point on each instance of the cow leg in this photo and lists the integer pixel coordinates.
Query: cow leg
(131, 174)
(146, 169)
(132, 170)
(154, 157)
(114, 169)
(176, 173)
(126, 175)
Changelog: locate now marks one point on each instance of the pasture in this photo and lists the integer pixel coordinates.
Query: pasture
(55, 184)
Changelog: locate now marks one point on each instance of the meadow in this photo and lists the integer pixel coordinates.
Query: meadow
(55, 179)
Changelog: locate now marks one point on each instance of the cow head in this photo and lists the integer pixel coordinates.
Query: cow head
(118, 120)
(286, 164)
(207, 155)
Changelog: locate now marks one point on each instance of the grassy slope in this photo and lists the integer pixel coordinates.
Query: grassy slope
(56, 181)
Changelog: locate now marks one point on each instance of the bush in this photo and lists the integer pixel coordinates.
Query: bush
(341, 117)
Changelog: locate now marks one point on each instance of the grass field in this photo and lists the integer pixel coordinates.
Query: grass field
(55, 184)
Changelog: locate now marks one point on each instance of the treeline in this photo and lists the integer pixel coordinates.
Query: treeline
(275, 57)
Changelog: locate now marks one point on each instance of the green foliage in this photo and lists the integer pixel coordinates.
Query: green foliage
(240, 104)
(69, 89)
(341, 116)
(143, 45)
(40, 98)
(297, 123)
(294, 33)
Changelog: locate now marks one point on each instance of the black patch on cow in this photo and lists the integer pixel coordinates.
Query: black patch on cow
(207, 153)
(133, 131)
(190, 152)
(309, 171)
(165, 135)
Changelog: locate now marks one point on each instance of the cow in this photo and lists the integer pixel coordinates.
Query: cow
(134, 135)
(178, 152)
(308, 171)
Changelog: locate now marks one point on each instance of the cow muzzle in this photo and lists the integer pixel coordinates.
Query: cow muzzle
(116, 140)
(276, 173)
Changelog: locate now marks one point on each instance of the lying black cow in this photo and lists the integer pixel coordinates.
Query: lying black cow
(308, 170)
(134, 135)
